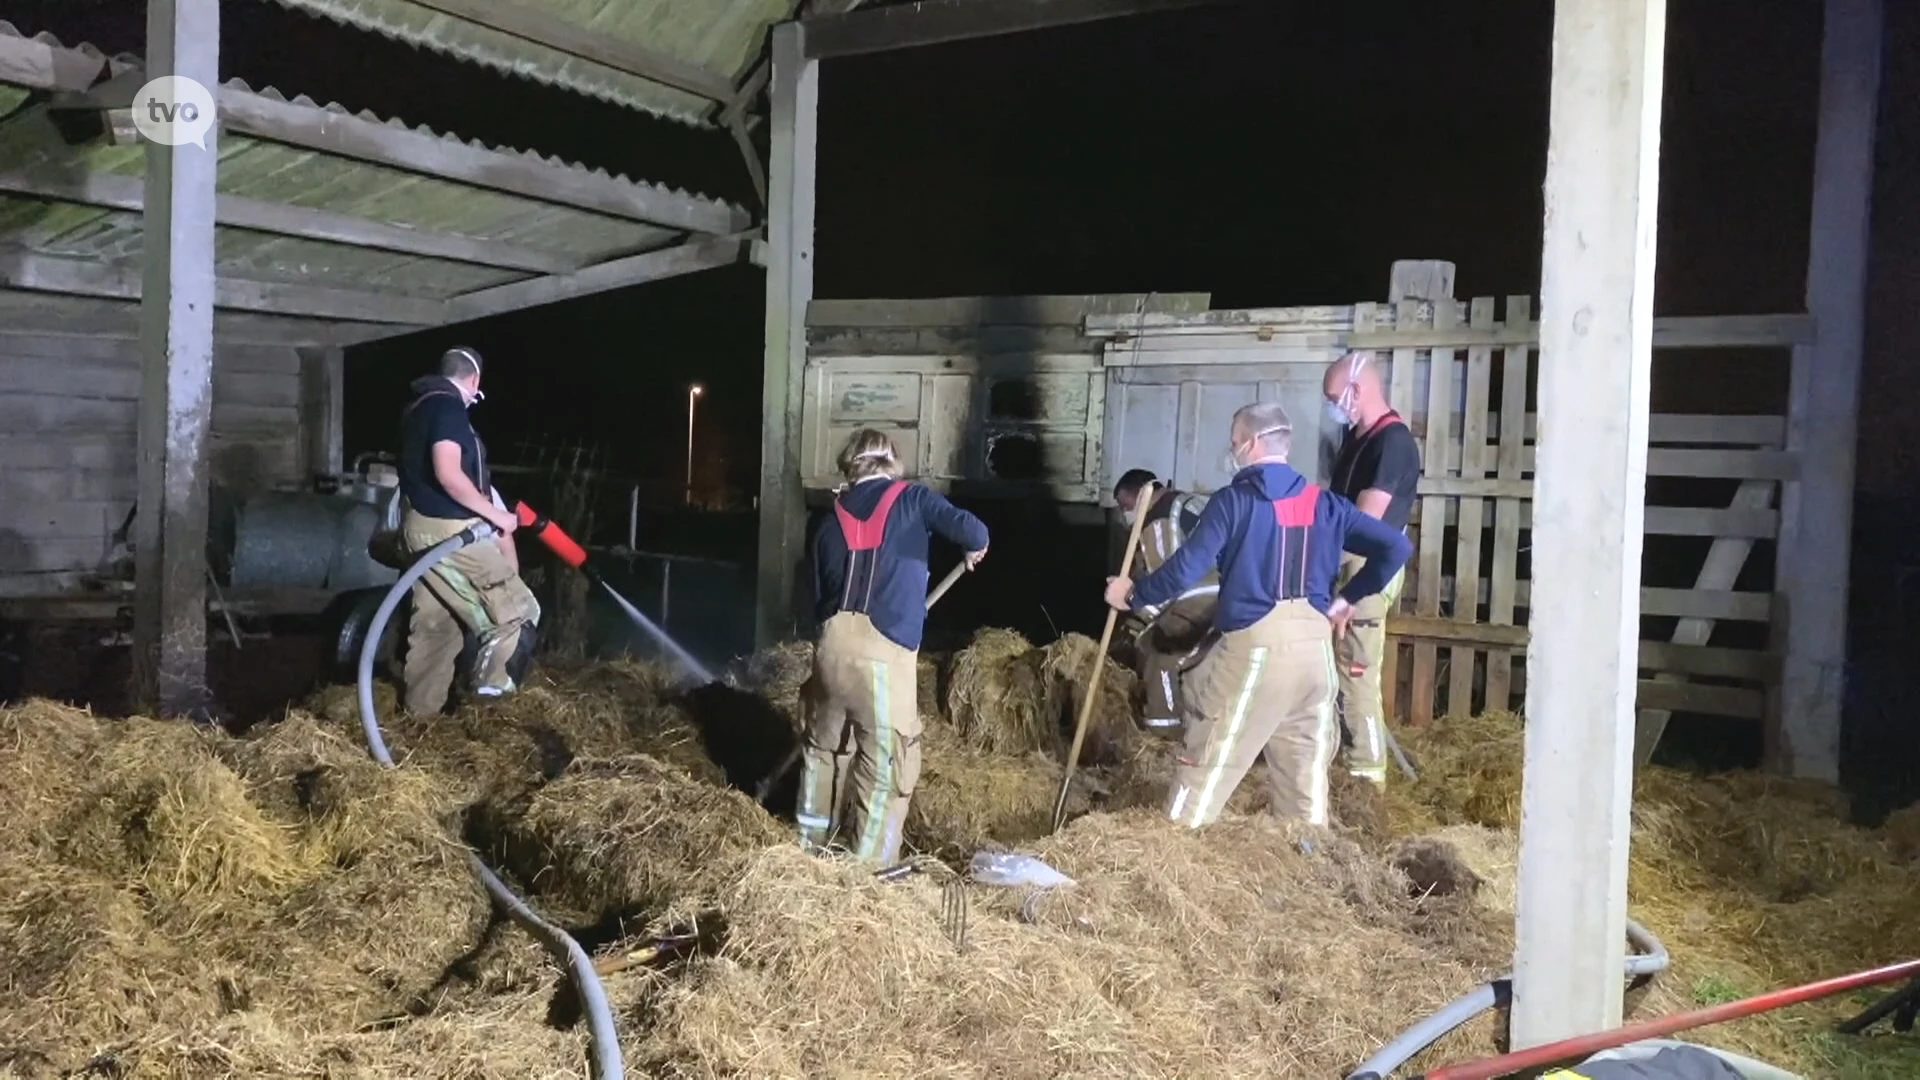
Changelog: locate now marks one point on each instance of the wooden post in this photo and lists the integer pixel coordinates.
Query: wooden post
(795, 94)
(322, 411)
(1596, 350)
(176, 380)
(1816, 520)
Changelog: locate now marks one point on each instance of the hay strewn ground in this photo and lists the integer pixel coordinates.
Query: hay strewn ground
(182, 904)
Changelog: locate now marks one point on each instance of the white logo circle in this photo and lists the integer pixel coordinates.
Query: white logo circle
(174, 110)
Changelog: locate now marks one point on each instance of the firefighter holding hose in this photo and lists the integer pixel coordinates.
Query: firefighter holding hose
(1269, 683)
(444, 488)
(861, 746)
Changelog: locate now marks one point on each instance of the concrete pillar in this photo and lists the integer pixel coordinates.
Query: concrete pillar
(1816, 520)
(176, 386)
(795, 93)
(1596, 349)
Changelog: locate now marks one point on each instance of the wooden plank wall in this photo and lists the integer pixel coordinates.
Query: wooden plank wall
(1461, 622)
(68, 408)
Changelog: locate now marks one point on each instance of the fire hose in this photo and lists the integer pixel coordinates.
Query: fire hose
(604, 1062)
(1650, 958)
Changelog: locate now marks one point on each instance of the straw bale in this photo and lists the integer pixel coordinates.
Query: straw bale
(776, 674)
(996, 698)
(1066, 666)
(1233, 951)
(633, 833)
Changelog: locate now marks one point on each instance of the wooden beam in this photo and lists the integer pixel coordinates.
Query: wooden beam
(681, 259)
(1677, 658)
(315, 128)
(74, 277)
(176, 374)
(42, 65)
(91, 317)
(795, 91)
(323, 393)
(113, 192)
(79, 277)
(1596, 353)
(935, 22)
(539, 28)
(1823, 407)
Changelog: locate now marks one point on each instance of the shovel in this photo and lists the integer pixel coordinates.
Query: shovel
(1144, 500)
(793, 757)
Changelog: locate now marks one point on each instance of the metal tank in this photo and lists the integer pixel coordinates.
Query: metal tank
(310, 540)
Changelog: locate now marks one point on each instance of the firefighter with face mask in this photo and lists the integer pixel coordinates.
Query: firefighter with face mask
(861, 746)
(1175, 635)
(1268, 684)
(1378, 469)
(445, 487)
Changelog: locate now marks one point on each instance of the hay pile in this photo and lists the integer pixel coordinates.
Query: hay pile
(185, 902)
(1005, 696)
(1236, 953)
(1752, 881)
(182, 904)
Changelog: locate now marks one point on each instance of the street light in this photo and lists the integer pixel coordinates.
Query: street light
(693, 398)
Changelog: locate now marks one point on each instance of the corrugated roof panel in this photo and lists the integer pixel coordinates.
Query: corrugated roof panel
(720, 35)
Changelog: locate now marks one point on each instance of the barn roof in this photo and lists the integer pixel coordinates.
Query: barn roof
(672, 58)
(325, 214)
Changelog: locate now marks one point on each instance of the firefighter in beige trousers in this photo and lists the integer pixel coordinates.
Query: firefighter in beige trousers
(444, 489)
(1269, 683)
(1378, 468)
(861, 744)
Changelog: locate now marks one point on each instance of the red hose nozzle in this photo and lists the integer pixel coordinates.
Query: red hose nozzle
(552, 535)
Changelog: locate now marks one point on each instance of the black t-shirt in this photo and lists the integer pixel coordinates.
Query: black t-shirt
(1386, 458)
(437, 415)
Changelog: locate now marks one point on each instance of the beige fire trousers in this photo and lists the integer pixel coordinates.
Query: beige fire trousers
(862, 740)
(475, 589)
(1361, 655)
(1268, 687)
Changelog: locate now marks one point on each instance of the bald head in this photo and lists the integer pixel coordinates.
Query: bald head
(1261, 432)
(1353, 388)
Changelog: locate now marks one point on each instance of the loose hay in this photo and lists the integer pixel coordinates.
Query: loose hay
(1752, 881)
(632, 834)
(1230, 952)
(184, 904)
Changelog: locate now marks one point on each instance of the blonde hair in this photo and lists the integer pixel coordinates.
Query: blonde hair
(869, 453)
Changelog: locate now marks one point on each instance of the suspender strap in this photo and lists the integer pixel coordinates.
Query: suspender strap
(1294, 516)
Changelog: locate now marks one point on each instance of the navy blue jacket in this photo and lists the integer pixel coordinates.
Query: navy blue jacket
(897, 598)
(1238, 533)
(436, 414)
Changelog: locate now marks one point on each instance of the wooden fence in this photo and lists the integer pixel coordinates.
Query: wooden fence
(1461, 621)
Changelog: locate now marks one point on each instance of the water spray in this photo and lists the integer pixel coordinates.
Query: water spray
(568, 551)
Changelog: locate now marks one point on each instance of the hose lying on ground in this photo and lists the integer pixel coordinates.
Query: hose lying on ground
(1649, 958)
(605, 1063)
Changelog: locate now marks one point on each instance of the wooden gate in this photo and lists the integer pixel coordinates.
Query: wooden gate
(1461, 621)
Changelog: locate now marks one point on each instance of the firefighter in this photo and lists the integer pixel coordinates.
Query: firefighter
(862, 739)
(1176, 634)
(444, 488)
(1378, 470)
(1268, 684)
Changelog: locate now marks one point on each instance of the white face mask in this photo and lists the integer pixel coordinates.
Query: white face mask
(1129, 515)
(1232, 459)
(1343, 409)
(1339, 415)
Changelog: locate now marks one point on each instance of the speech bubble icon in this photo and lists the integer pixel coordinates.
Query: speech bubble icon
(174, 110)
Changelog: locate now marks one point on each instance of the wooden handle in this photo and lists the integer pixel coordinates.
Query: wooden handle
(1143, 500)
(946, 583)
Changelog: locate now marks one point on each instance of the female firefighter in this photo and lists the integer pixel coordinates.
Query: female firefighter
(862, 741)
